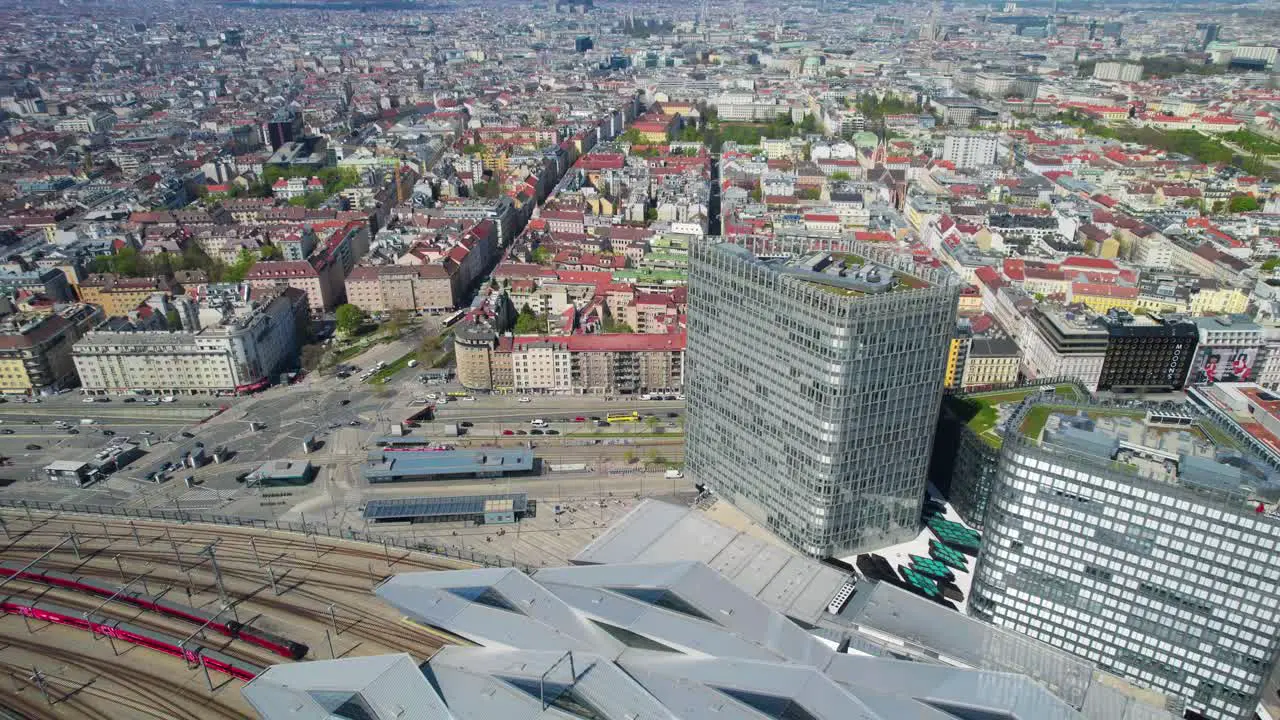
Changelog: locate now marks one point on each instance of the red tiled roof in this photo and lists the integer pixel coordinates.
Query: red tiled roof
(1099, 290)
(1091, 263)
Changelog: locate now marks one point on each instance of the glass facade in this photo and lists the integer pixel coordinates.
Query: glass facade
(812, 409)
(1168, 584)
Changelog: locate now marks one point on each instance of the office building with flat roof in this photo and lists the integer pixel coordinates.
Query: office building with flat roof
(813, 385)
(1064, 343)
(1147, 547)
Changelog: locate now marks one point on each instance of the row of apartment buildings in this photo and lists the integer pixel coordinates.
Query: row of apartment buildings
(600, 363)
(240, 340)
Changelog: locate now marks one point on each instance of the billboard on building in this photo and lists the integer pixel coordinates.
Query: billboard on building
(1224, 365)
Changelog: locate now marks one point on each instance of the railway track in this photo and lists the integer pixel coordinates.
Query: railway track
(313, 573)
(142, 618)
(355, 620)
(150, 694)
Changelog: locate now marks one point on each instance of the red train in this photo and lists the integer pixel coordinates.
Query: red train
(192, 652)
(231, 628)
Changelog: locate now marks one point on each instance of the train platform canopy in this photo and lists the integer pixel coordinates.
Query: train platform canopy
(655, 641)
(380, 686)
(797, 586)
(393, 466)
(489, 508)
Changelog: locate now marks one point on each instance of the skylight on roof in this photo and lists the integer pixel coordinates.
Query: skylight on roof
(663, 598)
(488, 596)
(773, 706)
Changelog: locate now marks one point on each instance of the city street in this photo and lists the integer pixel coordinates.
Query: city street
(344, 418)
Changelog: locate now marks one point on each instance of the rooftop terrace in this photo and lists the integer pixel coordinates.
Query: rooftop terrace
(849, 275)
(1174, 447)
(985, 412)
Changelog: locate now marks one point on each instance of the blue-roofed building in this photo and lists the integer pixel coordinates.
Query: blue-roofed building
(409, 465)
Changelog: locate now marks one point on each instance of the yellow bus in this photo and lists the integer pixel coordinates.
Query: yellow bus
(632, 416)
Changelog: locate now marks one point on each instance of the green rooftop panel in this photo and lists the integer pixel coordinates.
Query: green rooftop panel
(919, 582)
(933, 568)
(948, 556)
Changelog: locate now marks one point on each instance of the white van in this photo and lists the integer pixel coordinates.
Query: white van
(673, 474)
(538, 423)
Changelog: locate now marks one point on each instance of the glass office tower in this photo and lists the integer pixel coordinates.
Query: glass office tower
(813, 386)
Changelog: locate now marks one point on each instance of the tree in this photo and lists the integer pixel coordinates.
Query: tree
(629, 456)
(269, 252)
(651, 421)
(616, 326)
(840, 176)
(527, 321)
(1270, 264)
(173, 320)
(1242, 203)
(349, 318)
(237, 271)
(395, 324)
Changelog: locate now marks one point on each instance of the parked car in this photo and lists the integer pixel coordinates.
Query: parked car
(87, 401)
(508, 432)
(108, 433)
(130, 400)
(345, 402)
(535, 432)
(553, 431)
(521, 432)
(579, 419)
(33, 446)
(466, 423)
(525, 400)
